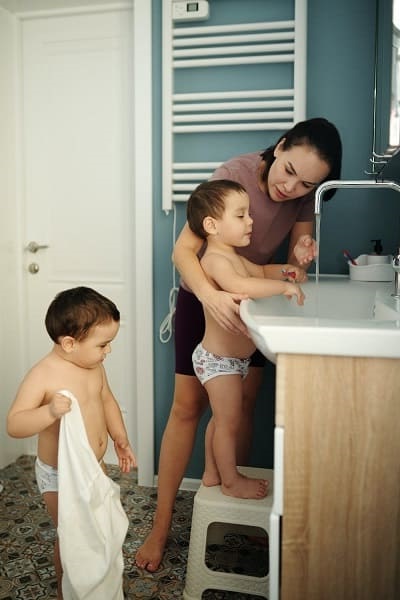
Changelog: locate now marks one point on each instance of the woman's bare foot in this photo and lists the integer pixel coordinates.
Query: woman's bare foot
(150, 553)
(246, 487)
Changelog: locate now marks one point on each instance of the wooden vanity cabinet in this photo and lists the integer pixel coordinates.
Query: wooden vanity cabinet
(340, 530)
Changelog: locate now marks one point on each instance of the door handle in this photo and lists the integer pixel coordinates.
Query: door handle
(34, 247)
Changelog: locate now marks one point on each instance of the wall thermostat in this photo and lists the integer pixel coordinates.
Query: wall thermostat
(190, 11)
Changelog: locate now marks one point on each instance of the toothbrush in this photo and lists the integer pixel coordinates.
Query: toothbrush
(289, 274)
(347, 255)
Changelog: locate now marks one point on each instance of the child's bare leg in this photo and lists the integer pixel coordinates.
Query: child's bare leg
(234, 483)
(211, 475)
(225, 393)
(51, 501)
(58, 568)
(251, 386)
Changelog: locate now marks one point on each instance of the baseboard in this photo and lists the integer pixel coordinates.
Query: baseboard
(187, 485)
(190, 485)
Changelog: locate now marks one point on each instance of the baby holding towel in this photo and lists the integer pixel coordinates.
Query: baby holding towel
(66, 399)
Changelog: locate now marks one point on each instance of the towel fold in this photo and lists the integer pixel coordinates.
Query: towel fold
(92, 523)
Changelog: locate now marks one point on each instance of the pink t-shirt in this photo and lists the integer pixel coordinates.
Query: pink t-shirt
(272, 221)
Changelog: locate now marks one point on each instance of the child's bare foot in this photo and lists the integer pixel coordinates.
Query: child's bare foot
(246, 487)
(150, 553)
(210, 477)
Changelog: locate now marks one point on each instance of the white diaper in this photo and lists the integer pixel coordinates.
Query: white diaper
(46, 477)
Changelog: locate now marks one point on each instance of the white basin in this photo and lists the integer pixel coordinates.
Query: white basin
(340, 317)
(386, 307)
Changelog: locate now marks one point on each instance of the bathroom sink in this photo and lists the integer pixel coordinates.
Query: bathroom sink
(340, 317)
(386, 307)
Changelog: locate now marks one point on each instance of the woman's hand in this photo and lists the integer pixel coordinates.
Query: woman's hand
(305, 249)
(224, 308)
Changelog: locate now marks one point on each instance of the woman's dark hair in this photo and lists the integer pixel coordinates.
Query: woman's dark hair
(207, 200)
(74, 312)
(320, 135)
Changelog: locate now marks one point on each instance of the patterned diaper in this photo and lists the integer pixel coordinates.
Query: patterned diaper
(208, 365)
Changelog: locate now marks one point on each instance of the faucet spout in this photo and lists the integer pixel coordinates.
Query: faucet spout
(339, 184)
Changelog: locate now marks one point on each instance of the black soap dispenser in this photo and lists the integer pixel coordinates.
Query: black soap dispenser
(377, 247)
(376, 257)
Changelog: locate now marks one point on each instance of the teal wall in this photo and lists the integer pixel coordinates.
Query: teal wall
(340, 76)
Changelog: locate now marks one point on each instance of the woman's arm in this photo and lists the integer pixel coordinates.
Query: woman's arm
(186, 261)
(223, 306)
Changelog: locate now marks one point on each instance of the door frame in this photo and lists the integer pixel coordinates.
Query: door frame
(142, 234)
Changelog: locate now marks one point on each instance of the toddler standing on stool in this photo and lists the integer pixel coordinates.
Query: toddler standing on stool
(218, 212)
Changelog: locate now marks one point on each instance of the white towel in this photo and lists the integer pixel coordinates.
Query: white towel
(92, 524)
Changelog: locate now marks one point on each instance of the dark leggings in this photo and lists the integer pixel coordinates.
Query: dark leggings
(189, 331)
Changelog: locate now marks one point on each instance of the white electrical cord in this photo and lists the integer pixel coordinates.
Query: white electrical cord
(167, 325)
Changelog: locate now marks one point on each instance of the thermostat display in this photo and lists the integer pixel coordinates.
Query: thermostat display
(190, 11)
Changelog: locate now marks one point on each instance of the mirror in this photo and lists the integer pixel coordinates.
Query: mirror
(386, 126)
(394, 119)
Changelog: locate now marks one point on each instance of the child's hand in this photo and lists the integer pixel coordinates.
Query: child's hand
(292, 273)
(294, 290)
(59, 405)
(126, 458)
(305, 249)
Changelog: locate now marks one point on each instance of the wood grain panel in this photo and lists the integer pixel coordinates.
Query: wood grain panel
(341, 525)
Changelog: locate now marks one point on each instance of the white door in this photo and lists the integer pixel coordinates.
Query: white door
(77, 166)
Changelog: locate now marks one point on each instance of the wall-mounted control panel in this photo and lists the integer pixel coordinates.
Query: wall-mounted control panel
(190, 11)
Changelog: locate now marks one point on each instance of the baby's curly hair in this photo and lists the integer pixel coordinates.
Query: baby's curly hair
(207, 200)
(75, 311)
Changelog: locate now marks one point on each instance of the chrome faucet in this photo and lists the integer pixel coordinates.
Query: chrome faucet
(337, 184)
(396, 267)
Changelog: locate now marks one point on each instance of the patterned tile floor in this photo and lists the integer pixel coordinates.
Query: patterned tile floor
(27, 537)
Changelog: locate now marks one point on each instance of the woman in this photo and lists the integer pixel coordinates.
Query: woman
(280, 183)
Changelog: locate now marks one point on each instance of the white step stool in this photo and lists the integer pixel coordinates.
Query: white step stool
(212, 506)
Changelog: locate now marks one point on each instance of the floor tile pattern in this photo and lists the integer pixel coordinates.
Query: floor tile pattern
(27, 537)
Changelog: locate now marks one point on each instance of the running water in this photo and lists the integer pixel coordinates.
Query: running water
(317, 239)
